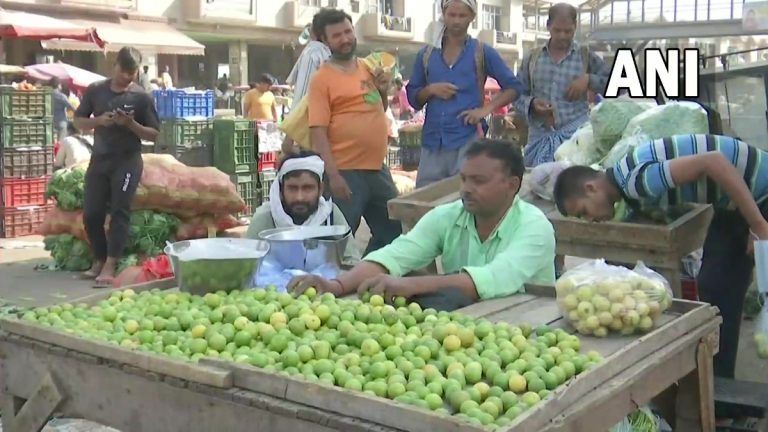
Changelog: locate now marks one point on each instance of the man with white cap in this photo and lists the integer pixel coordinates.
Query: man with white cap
(448, 79)
(296, 199)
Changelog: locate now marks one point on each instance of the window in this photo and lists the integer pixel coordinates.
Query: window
(315, 3)
(355, 6)
(386, 7)
(491, 17)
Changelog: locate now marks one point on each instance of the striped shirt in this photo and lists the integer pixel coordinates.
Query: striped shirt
(314, 55)
(644, 175)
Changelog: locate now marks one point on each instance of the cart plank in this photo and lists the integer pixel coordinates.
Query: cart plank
(132, 403)
(489, 307)
(334, 399)
(631, 354)
(634, 387)
(147, 361)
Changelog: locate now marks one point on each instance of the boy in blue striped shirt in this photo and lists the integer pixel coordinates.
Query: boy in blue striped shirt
(664, 173)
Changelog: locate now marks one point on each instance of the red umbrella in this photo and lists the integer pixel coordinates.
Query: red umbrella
(41, 27)
(72, 75)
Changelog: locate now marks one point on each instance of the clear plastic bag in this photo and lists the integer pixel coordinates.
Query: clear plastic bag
(542, 178)
(597, 298)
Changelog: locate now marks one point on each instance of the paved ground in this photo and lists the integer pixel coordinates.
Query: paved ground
(22, 285)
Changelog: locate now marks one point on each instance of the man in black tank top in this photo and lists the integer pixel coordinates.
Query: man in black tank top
(122, 114)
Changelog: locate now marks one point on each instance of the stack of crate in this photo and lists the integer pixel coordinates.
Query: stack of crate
(267, 173)
(186, 125)
(26, 159)
(235, 153)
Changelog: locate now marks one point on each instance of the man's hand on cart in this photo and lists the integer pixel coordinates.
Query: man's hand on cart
(388, 287)
(299, 284)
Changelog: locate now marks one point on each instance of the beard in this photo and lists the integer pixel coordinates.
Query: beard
(300, 211)
(344, 56)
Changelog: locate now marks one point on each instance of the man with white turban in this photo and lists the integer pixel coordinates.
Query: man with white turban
(448, 79)
(296, 199)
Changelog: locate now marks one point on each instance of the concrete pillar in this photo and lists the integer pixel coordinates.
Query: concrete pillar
(238, 62)
(150, 59)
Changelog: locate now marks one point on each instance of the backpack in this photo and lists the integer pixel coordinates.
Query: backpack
(479, 66)
(534, 57)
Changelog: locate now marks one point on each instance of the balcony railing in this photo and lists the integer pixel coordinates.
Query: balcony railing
(395, 23)
(507, 38)
(501, 40)
(375, 25)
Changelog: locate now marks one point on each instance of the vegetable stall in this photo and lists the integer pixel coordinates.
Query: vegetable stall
(147, 382)
(661, 246)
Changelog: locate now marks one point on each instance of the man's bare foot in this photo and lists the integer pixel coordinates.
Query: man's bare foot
(107, 275)
(94, 271)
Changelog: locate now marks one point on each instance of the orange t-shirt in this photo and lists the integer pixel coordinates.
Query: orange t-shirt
(349, 105)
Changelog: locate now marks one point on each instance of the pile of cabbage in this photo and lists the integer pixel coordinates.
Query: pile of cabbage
(616, 126)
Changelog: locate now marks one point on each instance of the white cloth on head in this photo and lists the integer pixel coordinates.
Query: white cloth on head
(437, 40)
(313, 164)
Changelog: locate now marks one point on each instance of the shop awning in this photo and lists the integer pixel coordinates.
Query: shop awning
(40, 27)
(156, 37)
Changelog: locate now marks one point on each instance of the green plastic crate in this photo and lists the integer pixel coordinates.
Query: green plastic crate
(234, 145)
(185, 133)
(248, 188)
(18, 133)
(265, 182)
(29, 104)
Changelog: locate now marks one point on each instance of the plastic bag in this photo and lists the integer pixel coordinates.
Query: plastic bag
(169, 186)
(596, 298)
(642, 420)
(542, 178)
(621, 149)
(610, 118)
(580, 149)
(272, 274)
(673, 118)
(150, 270)
(296, 124)
(58, 221)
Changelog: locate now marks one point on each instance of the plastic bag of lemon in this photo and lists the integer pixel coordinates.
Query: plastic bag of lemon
(296, 124)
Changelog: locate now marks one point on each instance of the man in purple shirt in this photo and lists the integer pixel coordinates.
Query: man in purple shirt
(452, 92)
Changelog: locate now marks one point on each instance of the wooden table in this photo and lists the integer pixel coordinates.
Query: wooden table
(45, 372)
(661, 247)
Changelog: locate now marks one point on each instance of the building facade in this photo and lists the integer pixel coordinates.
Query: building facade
(200, 40)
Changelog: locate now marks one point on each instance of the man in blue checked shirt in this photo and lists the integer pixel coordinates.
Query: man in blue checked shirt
(449, 78)
(555, 80)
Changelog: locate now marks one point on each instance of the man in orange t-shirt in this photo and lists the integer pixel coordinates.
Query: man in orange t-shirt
(349, 130)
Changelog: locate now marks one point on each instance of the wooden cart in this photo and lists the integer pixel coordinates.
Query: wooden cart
(46, 372)
(659, 246)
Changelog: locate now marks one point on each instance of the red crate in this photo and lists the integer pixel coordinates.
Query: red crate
(690, 289)
(22, 221)
(267, 161)
(23, 192)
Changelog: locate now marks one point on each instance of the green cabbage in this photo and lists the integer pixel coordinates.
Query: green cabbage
(674, 118)
(609, 119)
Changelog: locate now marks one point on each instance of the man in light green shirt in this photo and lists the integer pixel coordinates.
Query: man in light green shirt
(491, 242)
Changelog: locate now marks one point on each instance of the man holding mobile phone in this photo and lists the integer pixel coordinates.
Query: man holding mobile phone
(122, 114)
